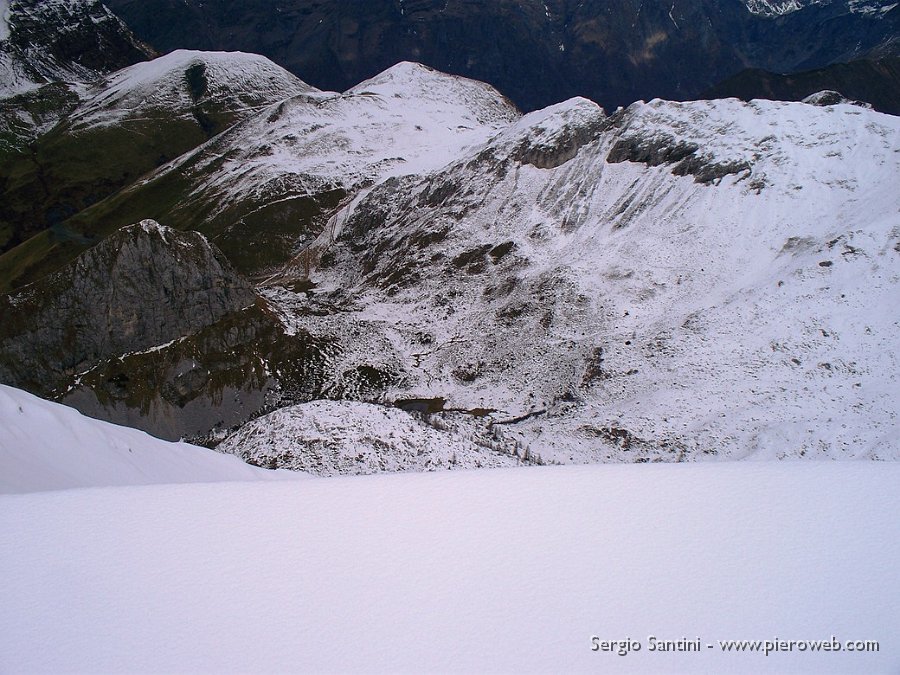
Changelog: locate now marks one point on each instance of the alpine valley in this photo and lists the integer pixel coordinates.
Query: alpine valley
(411, 274)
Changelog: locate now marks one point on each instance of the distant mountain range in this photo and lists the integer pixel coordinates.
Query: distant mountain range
(536, 52)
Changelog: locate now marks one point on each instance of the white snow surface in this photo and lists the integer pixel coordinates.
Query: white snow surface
(47, 446)
(755, 316)
(476, 571)
(329, 438)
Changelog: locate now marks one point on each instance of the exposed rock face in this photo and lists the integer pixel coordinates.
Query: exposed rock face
(144, 286)
(655, 150)
(154, 329)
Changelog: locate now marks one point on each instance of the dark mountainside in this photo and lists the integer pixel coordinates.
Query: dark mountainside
(537, 53)
(875, 81)
(94, 42)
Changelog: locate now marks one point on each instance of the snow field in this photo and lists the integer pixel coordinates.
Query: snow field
(487, 571)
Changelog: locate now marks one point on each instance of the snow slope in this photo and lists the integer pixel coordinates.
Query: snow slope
(47, 446)
(682, 280)
(487, 571)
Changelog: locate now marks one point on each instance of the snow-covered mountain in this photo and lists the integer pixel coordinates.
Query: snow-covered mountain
(46, 446)
(230, 83)
(128, 125)
(676, 281)
(267, 184)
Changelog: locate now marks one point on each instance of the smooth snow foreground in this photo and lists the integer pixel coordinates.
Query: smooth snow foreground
(503, 570)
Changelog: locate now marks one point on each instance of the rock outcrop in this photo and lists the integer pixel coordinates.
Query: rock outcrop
(144, 286)
(328, 438)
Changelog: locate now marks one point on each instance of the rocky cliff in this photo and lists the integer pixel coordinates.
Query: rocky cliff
(142, 287)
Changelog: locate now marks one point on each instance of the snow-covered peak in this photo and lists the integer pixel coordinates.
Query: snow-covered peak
(830, 97)
(771, 139)
(413, 81)
(47, 446)
(183, 78)
(552, 135)
(409, 120)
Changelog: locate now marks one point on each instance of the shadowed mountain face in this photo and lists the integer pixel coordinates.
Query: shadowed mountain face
(535, 52)
(875, 81)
